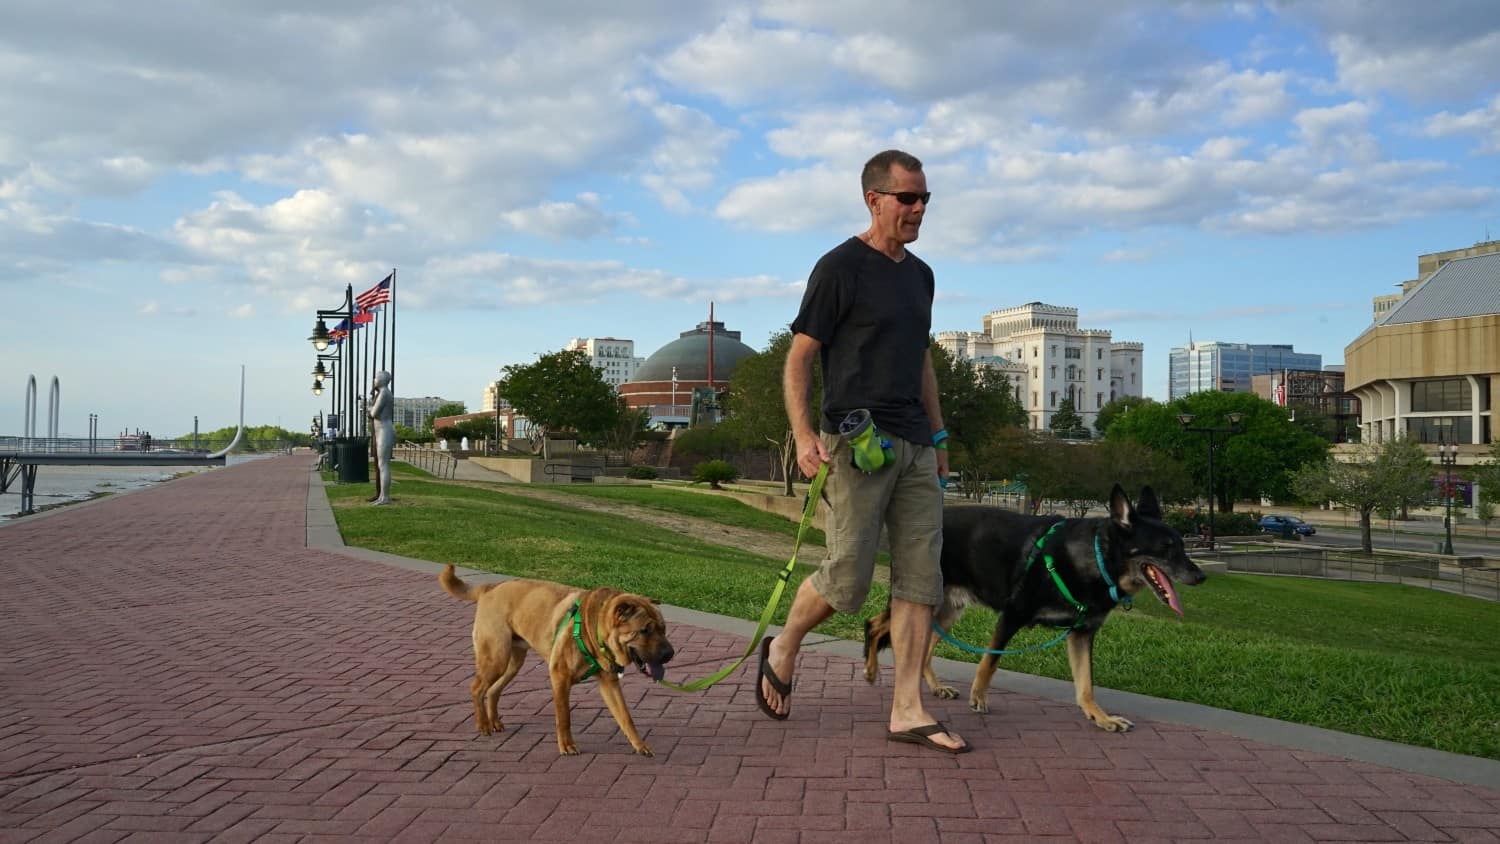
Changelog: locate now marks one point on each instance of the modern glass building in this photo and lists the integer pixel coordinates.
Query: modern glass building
(1228, 367)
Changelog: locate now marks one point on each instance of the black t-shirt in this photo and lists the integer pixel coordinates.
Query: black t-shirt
(873, 317)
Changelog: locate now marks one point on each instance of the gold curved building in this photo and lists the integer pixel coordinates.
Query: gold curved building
(1429, 368)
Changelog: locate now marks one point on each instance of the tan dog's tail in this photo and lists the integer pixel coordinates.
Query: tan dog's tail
(456, 587)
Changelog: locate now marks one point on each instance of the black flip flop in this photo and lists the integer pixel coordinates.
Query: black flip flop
(782, 687)
(923, 736)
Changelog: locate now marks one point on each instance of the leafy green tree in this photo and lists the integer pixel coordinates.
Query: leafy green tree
(1066, 422)
(1487, 476)
(755, 405)
(1375, 477)
(451, 408)
(477, 430)
(563, 391)
(977, 401)
(628, 432)
(711, 443)
(406, 434)
(1115, 409)
(1257, 462)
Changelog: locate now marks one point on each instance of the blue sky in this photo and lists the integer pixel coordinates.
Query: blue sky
(183, 185)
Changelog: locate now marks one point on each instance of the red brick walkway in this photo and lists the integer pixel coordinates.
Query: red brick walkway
(176, 665)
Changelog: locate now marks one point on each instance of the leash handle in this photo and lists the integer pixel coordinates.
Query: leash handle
(814, 492)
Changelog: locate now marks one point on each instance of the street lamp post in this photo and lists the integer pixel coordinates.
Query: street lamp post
(1186, 420)
(1448, 455)
(345, 396)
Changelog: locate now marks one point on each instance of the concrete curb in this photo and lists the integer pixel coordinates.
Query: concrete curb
(323, 535)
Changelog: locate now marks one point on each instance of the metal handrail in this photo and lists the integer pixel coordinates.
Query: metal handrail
(1430, 573)
(132, 443)
(439, 463)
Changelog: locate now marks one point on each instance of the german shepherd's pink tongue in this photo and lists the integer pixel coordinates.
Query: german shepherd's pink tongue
(1164, 588)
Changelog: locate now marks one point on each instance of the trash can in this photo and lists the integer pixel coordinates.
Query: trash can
(352, 454)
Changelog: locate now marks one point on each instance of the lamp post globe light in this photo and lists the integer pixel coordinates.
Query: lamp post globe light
(1186, 420)
(1448, 455)
(344, 398)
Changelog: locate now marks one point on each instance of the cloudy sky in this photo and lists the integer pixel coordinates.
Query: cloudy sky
(183, 184)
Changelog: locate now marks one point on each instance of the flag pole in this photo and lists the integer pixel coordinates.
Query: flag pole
(392, 338)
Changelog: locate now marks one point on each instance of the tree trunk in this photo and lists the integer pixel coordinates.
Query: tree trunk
(1364, 531)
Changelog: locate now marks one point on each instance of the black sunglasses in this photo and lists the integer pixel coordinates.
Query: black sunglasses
(906, 197)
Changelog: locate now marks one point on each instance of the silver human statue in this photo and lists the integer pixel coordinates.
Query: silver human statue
(382, 412)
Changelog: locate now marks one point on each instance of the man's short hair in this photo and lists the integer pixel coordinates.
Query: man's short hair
(877, 174)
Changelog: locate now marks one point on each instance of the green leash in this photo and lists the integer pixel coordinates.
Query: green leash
(813, 493)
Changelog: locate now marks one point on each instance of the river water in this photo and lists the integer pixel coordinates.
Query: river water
(58, 485)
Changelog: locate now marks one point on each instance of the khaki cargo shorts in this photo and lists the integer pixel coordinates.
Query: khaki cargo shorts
(903, 496)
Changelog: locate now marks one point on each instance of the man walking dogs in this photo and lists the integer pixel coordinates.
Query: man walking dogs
(867, 313)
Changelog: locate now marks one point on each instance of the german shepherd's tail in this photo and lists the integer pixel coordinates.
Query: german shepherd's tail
(460, 590)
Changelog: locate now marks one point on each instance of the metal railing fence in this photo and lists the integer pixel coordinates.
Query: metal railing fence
(440, 463)
(1427, 572)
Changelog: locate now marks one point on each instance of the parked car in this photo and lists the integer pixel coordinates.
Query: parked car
(1285, 525)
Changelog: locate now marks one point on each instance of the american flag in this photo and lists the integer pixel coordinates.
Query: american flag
(377, 295)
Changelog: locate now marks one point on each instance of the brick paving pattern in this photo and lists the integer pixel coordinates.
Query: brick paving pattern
(177, 666)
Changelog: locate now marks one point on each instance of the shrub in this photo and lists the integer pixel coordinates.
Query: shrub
(715, 472)
(641, 473)
(1186, 521)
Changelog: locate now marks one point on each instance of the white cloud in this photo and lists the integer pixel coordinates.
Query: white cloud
(580, 219)
(740, 62)
(1483, 122)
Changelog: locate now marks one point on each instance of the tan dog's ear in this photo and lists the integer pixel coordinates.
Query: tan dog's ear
(656, 602)
(624, 610)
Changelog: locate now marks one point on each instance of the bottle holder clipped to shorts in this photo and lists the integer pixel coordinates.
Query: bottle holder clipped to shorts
(871, 450)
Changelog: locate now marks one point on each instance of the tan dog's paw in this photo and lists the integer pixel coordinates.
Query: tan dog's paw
(1111, 723)
(944, 691)
(567, 748)
(644, 749)
(979, 701)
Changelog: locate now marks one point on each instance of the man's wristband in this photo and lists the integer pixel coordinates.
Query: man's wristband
(937, 438)
(943, 445)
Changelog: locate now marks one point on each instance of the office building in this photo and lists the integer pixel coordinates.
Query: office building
(1229, 367)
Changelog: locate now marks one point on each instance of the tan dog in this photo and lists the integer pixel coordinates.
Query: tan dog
(617, 628)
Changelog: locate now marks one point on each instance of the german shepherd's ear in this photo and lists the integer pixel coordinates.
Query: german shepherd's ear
(1119, 506)
(1147, 505)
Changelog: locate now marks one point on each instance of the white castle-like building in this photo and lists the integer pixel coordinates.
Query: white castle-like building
(1047, 358)
(612, 356)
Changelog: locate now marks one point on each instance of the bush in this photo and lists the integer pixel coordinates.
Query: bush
(1186, 521)
(715, 472)
(641, 473)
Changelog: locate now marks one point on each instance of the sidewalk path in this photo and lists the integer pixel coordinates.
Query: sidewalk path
(177, 664)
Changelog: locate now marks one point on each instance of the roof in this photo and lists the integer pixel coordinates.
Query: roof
(1466, 287)
(689, 353)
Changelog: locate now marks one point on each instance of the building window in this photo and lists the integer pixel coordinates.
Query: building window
(1100, 353)
(1448, 394)
(1053, 352)
(1132, 377)
(1054, 399)
(1098, 400)
(1033, 398)
(1054, 371)
(1073, 353)
(1033, 351)
(1098, 374)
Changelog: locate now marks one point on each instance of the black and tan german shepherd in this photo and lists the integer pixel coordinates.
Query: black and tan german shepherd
(985, 551)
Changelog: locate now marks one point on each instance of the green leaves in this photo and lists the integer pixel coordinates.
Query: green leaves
(563, 391)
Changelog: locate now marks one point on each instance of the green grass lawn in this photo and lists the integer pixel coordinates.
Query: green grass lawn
(1394, 662)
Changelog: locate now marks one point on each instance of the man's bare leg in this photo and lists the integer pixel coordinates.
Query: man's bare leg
(808, 611)
(911, 625)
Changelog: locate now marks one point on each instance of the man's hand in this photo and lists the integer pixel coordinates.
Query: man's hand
(810, 454)
(942, 461)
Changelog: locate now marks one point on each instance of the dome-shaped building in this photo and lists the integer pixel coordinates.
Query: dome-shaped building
(664, 384)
